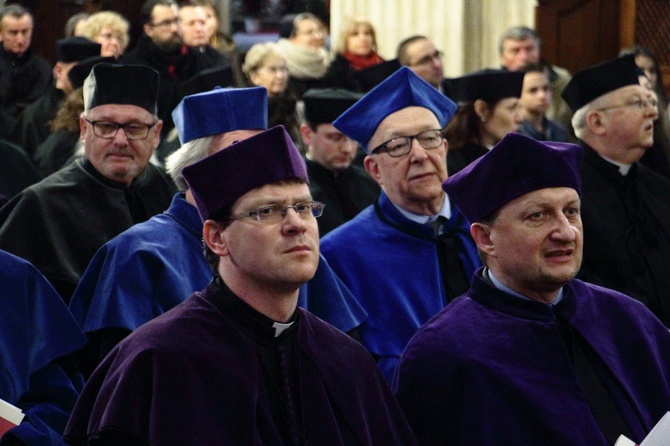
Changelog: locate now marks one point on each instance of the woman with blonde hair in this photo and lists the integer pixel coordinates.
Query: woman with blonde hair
(265, 66)
(109, 29)
(355, 49)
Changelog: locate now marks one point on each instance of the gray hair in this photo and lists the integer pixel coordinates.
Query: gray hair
(518, 33)
(191, 152)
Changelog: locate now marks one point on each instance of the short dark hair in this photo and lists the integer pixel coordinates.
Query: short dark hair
(16, 11)
(148, 9)
(401, 51)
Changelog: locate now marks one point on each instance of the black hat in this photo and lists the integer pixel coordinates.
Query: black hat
(206, 80)
(597, 80)
(73, 49)
(323, 106)
(368, 78)
(80, 72)
(122, 84)
(489, 85)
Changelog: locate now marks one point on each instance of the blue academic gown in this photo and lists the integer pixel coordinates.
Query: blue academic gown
(35, 330)
(153, 266)
(391, 265)
(493, 369)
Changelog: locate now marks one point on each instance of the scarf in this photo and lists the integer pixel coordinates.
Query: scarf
(304, 63)
(360, 62)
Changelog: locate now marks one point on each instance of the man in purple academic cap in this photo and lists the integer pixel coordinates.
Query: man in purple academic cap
(531, 355)
(240, 363)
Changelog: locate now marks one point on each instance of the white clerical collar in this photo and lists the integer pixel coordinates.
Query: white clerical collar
(496, 283)
(445, 211)
(279, 328)
(623, 168)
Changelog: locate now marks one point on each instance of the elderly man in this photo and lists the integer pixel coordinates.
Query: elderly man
(59, 223)
(626, 205)
(520, 46)
(153, 266)
(420, 55)
(24, 76)
(345, 188)
(410, 253)
(253, 368)
(531, 355)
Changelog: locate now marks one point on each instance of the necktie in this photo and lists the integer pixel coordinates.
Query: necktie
(448, 245)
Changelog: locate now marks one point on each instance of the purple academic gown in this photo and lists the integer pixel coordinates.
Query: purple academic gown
(492, 369)
(195, 376)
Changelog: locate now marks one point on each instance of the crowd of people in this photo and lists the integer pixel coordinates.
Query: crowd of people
(312, 245)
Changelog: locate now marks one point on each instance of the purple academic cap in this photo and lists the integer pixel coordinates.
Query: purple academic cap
(400, 90)
(515, 166)
(597, 80)
(217, 181)
(221, 110)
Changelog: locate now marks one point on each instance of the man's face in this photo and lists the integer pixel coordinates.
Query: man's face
(276, 255)
(328, 147)
(413, 181)
(193, 25)
(60, 71)
(426, 61)
(629, 128)
(309, 34)
(536, 241)
(517, 53)
(16, 33)
(119, 159)
(536, 94)
(164, 28)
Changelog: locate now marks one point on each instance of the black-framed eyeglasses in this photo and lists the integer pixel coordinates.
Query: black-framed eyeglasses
(402, 145)
(165, 23)
(108, 129)
(640, 104)
(276, 212)
(425, 60)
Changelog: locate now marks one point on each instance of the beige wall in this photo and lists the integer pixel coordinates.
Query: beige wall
(466, 30)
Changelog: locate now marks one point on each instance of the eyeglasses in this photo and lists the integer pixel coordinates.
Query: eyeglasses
(166, 23)
(133, 130)
(401, 146)
(640, 104)
(276, 212)
(425, 60)
(110, 36)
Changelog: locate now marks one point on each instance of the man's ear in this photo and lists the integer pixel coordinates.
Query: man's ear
(306, 134)
(372, 167)
(213, 238)
(595, 121)
(481, 234)
(82, 128)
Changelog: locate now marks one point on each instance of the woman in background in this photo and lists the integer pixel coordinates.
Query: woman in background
(355, 49)
(109, 29)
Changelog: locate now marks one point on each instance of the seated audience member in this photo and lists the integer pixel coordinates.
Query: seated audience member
(17, 171)
(488, 109)
(419, 54)
(24, 76)
(355, 50)
(626, 210)
(110, 30)
(406, 256)
(539, 356)
(345, 188)
(266, 66)
(155, 265)
(32, 126)
(519, 46)
(221, 41)
(195, 33)
(253, 368)
(37, 335)
(302, 42)
(59, 223)
(534, 102)
(75, 23)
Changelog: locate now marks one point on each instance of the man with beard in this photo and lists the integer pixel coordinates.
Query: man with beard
(161, 47)
(530, 355)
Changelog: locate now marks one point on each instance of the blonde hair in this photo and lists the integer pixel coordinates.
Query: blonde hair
(108, 19)
(257, 55)
(349, 26)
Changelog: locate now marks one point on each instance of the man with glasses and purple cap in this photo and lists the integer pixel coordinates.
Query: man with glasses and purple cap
(239, 362)
(530, 355)
(409, 253)
(59, 223)
(155, 265)
(626, 205)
